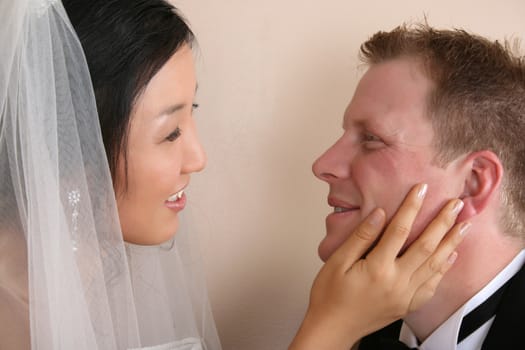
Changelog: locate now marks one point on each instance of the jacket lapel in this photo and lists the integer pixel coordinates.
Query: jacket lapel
(375, 340)
(508, 329)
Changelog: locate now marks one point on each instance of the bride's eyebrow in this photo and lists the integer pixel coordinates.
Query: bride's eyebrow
(174, 108)
(171, 109)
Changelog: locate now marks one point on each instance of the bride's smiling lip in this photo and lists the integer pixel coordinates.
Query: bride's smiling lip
(177, 201)
(177, 194)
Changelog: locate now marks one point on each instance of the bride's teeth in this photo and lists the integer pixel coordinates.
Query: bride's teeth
(176, 196)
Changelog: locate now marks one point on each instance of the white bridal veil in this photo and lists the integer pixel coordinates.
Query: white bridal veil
(67, 279)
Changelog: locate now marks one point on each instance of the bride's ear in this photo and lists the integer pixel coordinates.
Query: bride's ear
(483, 175)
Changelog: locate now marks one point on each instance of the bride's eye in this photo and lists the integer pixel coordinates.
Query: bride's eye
(174, 135)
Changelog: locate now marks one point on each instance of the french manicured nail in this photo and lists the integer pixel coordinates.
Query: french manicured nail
(376, 217)
(457, 207)
(422, 191)
(464, 228)
(452, 258)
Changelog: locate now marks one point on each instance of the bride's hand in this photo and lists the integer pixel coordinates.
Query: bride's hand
(354, 296)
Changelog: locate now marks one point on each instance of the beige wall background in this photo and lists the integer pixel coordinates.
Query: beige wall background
(274, 79)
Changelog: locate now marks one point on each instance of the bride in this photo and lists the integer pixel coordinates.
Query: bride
(97, 146)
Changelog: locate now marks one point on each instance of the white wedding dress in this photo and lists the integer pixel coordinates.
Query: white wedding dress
(67, 279)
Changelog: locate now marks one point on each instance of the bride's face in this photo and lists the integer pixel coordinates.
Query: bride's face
(162, 152)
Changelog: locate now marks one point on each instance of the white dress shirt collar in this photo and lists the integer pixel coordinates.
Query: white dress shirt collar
(445, 336)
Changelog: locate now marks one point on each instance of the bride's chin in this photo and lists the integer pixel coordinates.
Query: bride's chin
(151, 238)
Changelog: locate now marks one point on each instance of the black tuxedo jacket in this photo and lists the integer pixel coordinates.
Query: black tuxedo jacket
(507, 330)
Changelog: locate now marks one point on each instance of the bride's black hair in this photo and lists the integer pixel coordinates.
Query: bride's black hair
(125, 43)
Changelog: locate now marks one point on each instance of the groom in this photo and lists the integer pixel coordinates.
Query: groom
(447, 108)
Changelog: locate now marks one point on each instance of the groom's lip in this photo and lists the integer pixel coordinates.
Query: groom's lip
(335, 202)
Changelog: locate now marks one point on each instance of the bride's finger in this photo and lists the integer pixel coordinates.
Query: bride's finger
(359, 241)
(431, 237)
(426, 291)
(399, 227)
(442, 259)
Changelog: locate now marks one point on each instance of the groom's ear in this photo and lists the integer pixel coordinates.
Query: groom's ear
(483, 173)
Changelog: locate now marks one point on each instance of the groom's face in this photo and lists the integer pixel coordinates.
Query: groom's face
(386, 148)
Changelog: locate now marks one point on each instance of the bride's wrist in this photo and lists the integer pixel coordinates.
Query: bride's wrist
(325, 333)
